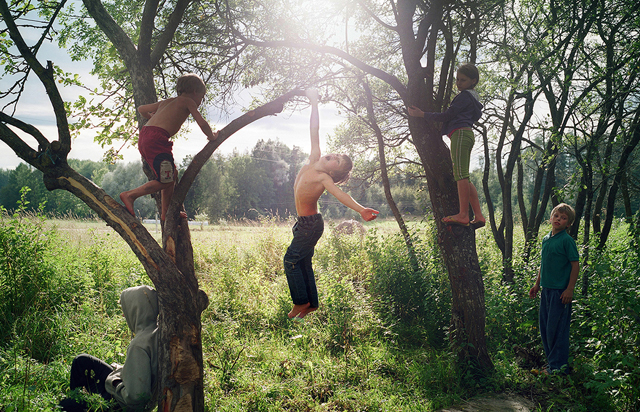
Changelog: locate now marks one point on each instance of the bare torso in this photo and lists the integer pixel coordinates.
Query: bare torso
(307, 190)
(170, 114)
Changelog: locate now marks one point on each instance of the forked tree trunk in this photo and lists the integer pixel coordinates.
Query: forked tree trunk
(458, 248)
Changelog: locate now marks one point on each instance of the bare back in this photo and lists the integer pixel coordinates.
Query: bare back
(169, 114)
(307, 189)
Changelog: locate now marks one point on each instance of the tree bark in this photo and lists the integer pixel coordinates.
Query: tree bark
(457, 244)
(628, 149)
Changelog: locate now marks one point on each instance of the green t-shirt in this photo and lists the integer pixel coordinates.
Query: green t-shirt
(558, 251)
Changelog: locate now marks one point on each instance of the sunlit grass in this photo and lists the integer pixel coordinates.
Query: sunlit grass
(378, 341)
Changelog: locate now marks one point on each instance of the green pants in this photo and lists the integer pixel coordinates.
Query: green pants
(462, 141)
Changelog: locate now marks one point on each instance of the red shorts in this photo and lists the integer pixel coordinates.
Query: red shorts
(155, 148)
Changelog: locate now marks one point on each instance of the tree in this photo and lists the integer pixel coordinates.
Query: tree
(560, 59)
(180, 357)
(427, 40)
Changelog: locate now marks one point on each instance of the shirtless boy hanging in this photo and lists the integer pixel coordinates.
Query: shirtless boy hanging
(320, 174)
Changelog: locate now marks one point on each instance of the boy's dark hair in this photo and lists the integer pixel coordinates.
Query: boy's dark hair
(343, 175)
(471, 72)
(567, 210)
(190, 82)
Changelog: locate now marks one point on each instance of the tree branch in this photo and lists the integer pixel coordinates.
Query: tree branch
(392, 80)
(146, 27)
(46, 78)
(169, 30)
(23, 150)
(268, 109)
(48, 28)
(27, 128)
(112, 30)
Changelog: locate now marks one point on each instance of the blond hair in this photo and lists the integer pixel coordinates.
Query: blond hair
(567, 210)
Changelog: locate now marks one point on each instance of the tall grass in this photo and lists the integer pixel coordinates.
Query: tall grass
(378, 342)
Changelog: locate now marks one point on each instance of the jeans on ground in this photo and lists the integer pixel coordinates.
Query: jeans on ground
(297, 261)
(555, 318)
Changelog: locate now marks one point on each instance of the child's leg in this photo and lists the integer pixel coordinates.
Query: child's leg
(306, 233)
(130, 196)
(461, 145)
(555, 319)
(90, 373)
(464, 191)
(167, 192)
(475, 204)
(310, 284)
(293, 269)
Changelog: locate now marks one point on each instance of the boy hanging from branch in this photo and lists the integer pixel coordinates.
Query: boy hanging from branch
(320, 174)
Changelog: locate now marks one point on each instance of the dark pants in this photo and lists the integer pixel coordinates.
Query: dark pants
(555, 318)
(297, 261)
(90, 373)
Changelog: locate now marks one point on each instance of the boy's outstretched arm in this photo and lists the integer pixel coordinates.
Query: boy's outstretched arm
(367, 213)
(314, 125)
(204, 126)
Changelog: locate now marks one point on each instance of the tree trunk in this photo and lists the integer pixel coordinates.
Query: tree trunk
(458, 249)
(457, 244)
(585, 241)
(626, 199)
(628, 149)
(486, 172)
(506, 176)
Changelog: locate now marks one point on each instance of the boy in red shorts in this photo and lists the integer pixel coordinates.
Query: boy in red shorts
(165, 119)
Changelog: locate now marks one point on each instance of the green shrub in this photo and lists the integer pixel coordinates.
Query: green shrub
(34, 287)
(606, 323)
(415, 298)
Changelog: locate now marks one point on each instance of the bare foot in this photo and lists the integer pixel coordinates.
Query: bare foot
(306, 312)
(458, 219)
(297, 309)
(128, 202)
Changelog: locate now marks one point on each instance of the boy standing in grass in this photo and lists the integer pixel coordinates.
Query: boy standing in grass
(320, 174)
(557, 276)
(165, 120)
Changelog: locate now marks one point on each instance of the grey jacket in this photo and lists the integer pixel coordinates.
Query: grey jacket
(133, 384)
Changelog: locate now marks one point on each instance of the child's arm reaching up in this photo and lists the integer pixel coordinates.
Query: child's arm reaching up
(367, 213)
(314, 126)
(204, 126)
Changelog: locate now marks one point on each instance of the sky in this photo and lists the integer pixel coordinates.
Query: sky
(289, 127)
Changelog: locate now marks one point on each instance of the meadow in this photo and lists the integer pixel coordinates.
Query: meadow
(379, 341)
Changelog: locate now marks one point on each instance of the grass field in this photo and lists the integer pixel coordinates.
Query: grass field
(377, 343)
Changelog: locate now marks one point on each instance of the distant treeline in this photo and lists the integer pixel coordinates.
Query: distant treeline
(235, 186)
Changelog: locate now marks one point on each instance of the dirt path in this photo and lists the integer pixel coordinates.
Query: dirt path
(497, 403)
